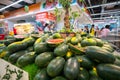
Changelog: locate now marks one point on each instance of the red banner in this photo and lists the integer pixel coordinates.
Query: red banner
(51, 17)
(42, 16)
(45, 16)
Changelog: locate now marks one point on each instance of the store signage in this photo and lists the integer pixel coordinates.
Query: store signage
(51, 17)
(45, 16)
(42, 16)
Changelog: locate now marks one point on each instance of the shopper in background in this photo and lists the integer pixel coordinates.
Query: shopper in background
(100, 32)
(97, 31)
(92, 30)
(104, 32)
(86, 30)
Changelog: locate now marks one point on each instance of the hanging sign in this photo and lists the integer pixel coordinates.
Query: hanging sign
(51, 17)
(45, 16)
(42, 16)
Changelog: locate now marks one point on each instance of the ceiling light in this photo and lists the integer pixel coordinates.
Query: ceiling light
(11, 5)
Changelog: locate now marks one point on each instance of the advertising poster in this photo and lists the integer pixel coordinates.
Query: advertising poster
(48, 4)
(44, 20)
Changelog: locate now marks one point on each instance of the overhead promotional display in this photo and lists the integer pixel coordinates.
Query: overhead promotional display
(44, 18)
(48, 4)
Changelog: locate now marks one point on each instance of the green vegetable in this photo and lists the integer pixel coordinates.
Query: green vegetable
(31, 69)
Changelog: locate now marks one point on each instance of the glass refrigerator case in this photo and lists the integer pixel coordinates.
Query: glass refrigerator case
(23, 28)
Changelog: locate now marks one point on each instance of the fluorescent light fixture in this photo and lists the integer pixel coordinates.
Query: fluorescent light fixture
(11, 5)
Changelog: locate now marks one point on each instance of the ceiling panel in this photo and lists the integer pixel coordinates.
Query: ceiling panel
(98, 7)
(29, 1)
(23, 3)
(8, 2)
(4, 3)
(10, 9)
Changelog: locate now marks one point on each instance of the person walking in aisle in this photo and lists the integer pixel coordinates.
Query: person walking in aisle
(92, 30)
(97, 31)
(104, 32)
(86, 30)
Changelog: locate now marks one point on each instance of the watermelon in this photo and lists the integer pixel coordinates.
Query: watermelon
(61, 50)
(43, 59)
(83, 74)
(74, 40)
(59, 78)
(56, 66)
(16, 46)
(42, 75)
(13, 58)
(99, 55)
(108, 71)
(54, 42)
(26, 59)
(71, 69)
(88, 42)
(41, 47)
(56, 35)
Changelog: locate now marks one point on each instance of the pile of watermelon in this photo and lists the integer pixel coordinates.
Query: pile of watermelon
(82, 57)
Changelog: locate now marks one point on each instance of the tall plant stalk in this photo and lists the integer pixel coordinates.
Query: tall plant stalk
(66, 5)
